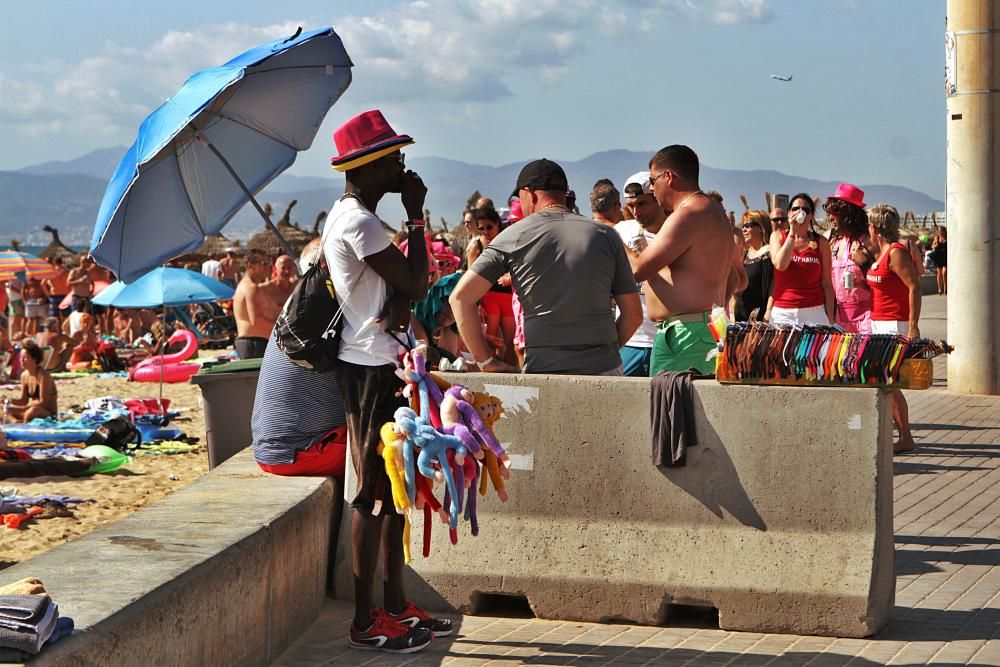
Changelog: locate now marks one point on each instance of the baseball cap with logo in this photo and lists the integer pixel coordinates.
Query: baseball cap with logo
(637, 184)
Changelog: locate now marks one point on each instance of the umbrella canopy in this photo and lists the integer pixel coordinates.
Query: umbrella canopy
(202, 155)
(13, 262)
(164, 286)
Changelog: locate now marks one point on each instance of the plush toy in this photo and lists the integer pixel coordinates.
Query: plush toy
(414, 372)
(433, 448)
(454, 424)
(392, 454)
(490, 408)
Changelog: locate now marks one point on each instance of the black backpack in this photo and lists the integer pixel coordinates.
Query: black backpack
(309, 327)
(118, 434)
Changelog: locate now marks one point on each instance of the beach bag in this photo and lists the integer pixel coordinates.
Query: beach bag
(308, 330)
(118, 434)
(107, 357)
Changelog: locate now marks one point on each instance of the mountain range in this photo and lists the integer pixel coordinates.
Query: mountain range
(67, 194)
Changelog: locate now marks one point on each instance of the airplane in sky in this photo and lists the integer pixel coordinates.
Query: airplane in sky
(779, 77)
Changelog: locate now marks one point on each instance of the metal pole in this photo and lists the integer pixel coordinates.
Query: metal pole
(236, 177)
(973, 185)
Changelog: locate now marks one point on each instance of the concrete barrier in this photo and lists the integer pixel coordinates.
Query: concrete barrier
(782, 518)
(227, 571)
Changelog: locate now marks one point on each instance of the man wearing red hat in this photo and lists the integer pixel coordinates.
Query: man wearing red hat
(375, 284)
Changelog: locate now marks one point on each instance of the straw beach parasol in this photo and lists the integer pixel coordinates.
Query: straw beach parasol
(267, 243)
(56, 248)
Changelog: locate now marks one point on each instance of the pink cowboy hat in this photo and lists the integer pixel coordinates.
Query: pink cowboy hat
(849, 193)
(365, 138)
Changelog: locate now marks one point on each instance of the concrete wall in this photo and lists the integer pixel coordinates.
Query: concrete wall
(227, 571)
(782, 518)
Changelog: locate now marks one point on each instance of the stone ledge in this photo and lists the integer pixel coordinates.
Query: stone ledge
(227, 571)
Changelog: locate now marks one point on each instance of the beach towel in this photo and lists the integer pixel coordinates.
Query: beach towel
(30, 637)
(167, 447)
(23, 608)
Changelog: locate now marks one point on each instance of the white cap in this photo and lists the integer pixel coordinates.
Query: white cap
(642, 180)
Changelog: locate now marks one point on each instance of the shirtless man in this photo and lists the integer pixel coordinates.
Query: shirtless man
(229, 268)
(282, 282)
(81, 285)
(687, 265)
(254, 309)
(57, 287)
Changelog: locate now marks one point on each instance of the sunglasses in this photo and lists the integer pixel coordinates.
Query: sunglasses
(484, 228)
(653, 179)
(750, 225)
(781, 219)
(801, 208)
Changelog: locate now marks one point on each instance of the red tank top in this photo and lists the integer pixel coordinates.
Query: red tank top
(801, 284)
(890, 295)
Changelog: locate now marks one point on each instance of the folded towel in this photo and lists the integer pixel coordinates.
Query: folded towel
(30, 638)
(25, 608)
(26, 586)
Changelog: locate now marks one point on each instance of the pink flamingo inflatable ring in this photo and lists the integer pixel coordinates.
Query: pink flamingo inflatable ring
(174, 370)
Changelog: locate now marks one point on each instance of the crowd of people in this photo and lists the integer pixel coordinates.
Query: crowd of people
(52, 325)
(533, 286)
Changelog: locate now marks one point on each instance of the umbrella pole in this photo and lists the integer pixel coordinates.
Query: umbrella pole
(232, 172)
(163, 352)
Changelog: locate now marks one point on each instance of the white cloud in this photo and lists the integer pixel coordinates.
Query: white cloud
(741, 11)
(447, 51)
(109, 93)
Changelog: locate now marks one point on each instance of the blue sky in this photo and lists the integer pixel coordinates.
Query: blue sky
(498, 81)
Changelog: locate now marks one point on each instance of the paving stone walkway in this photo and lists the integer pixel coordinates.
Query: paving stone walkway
(947, 526)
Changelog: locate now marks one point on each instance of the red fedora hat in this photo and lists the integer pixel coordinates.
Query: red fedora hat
(365, 138)
(849, 193)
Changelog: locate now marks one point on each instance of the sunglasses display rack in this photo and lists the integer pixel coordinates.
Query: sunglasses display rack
(758, 353)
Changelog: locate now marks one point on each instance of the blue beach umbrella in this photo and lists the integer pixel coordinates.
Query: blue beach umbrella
(205, 152)
(164, 286)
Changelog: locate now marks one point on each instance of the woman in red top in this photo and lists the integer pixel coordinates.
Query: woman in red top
(895, 299)
(803, 287)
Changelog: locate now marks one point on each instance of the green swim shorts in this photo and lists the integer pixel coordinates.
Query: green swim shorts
(683, 342)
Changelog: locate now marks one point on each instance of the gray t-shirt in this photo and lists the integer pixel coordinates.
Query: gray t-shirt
(565, 269)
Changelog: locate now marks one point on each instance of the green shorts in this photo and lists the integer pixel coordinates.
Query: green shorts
(682, 345)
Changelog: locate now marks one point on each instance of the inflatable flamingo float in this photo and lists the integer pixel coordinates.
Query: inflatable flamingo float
(173, 370)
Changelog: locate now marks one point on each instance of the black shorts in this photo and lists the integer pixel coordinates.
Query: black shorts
(250, 347)
(370, 399)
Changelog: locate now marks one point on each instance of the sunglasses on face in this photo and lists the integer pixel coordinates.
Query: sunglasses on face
(750, 225)
(801, 208)
(653, 179)
(484, 228)
(781, 219)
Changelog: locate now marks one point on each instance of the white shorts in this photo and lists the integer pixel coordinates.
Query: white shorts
(800, 316)
(36, 309)
(894, 327)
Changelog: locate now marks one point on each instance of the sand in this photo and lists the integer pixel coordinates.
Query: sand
(139, 483)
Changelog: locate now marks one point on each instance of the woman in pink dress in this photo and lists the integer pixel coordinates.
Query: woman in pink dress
(851, 255)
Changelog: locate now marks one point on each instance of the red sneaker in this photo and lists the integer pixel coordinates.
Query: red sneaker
(389, 635)
(415, 617)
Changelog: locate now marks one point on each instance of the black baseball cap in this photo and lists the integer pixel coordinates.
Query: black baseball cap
(542, 175)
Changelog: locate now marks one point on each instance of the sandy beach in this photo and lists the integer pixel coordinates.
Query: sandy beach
(146, 479)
